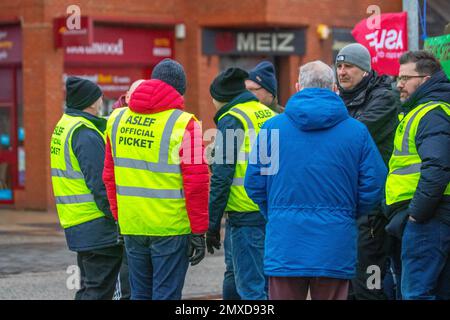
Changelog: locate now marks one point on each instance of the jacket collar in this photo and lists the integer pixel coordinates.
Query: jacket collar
(242, 98)
(100, 123)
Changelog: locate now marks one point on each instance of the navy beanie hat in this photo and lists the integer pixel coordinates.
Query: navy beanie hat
(172, 73)
(228, 84)
(264, 75)
(81, 93)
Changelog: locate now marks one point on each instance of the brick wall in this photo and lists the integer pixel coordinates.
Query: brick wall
(43, 65)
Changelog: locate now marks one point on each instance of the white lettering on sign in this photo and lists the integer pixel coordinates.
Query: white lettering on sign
(389, 39)
(265, 42)
(115, 49)
(3, 55)
(162, 52)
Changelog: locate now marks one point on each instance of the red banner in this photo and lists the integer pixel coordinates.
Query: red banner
(385, 42)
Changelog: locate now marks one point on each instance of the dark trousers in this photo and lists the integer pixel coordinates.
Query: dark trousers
(296, 288)
(123, 290)
(98, 270)
(372, 251)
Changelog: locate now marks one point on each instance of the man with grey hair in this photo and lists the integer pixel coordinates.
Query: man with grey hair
(330, 173)
(370, 99)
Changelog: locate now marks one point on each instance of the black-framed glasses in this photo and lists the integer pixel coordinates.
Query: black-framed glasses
(406, 78)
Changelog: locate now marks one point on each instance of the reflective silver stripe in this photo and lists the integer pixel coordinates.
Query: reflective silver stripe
(66, 174)
(405, 144)
(167, 133)
(67, 159)
(414, 168)
(238, 181)
(245, 116)
(145, 165)
(150, 193)
(79, 198)
(114, 131)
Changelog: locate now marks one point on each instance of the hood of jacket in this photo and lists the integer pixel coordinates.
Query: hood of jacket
(357, 96)
(437, 88)
(316, 109)
(153, 96)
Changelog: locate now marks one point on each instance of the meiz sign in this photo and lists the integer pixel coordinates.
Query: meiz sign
(253, 42)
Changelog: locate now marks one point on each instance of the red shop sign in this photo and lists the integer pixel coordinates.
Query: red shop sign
(67, 35)
(119, 46)
(113, 81)
(10, 44)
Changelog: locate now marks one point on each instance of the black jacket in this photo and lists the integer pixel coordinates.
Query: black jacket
(433, 147)
(89, 149)
(223, 170)
(377, 105)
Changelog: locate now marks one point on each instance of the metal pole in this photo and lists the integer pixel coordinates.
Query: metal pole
(412, 7)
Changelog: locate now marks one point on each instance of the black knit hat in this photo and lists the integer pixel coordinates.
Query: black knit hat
(228, 84)
(81, 93)
(172, 73)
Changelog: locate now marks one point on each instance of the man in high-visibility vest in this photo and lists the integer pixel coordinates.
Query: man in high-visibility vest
(77, 153)
(239, 118)
(156, 173)
(417, 187)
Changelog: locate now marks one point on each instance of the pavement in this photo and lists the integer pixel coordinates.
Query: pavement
(35, 261)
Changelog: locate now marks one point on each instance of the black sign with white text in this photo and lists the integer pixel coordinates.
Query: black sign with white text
(253, 42)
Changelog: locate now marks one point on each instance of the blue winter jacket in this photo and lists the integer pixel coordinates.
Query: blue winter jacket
(329, 173)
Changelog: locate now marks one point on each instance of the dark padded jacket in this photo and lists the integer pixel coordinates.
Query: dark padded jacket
(89, 149)
(377, 105)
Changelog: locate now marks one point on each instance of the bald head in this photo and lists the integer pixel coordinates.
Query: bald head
(316, 74)
(133, 87)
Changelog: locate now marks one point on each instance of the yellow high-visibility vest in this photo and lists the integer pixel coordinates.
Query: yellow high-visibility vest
(252, 115)
(74, 201)
(149, 184)
(405, 163)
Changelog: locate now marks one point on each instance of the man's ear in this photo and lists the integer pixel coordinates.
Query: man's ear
(297, 87)
(424, 79)
(335, 88)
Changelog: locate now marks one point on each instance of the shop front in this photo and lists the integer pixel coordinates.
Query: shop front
(12, 134)
(117, 57)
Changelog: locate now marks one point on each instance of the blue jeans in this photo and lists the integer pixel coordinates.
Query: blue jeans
(229, 291)
(247, 252)
(157, 266)
(426, 261)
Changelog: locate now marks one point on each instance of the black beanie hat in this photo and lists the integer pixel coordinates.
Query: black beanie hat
(228, 84)
(264, 75)
(172, 73)
(81, 93)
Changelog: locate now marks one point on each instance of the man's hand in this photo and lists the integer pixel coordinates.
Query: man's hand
(196, 248)
(212, 241)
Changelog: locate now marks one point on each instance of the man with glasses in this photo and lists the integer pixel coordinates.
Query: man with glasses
(262, 82)
(417, 187)
(370, 99)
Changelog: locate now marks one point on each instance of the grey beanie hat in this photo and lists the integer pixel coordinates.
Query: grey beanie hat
(355, 54)
(172, 73)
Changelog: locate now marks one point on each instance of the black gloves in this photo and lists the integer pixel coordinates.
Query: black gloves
(213, 240)
(196, 248)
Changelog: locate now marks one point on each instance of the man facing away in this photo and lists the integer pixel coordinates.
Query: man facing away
(417, 187)
(370, 99)
(155, 172)
(330, 173)
(77, 154)
(239, 117)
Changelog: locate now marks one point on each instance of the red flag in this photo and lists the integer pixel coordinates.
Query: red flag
(385, 44)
